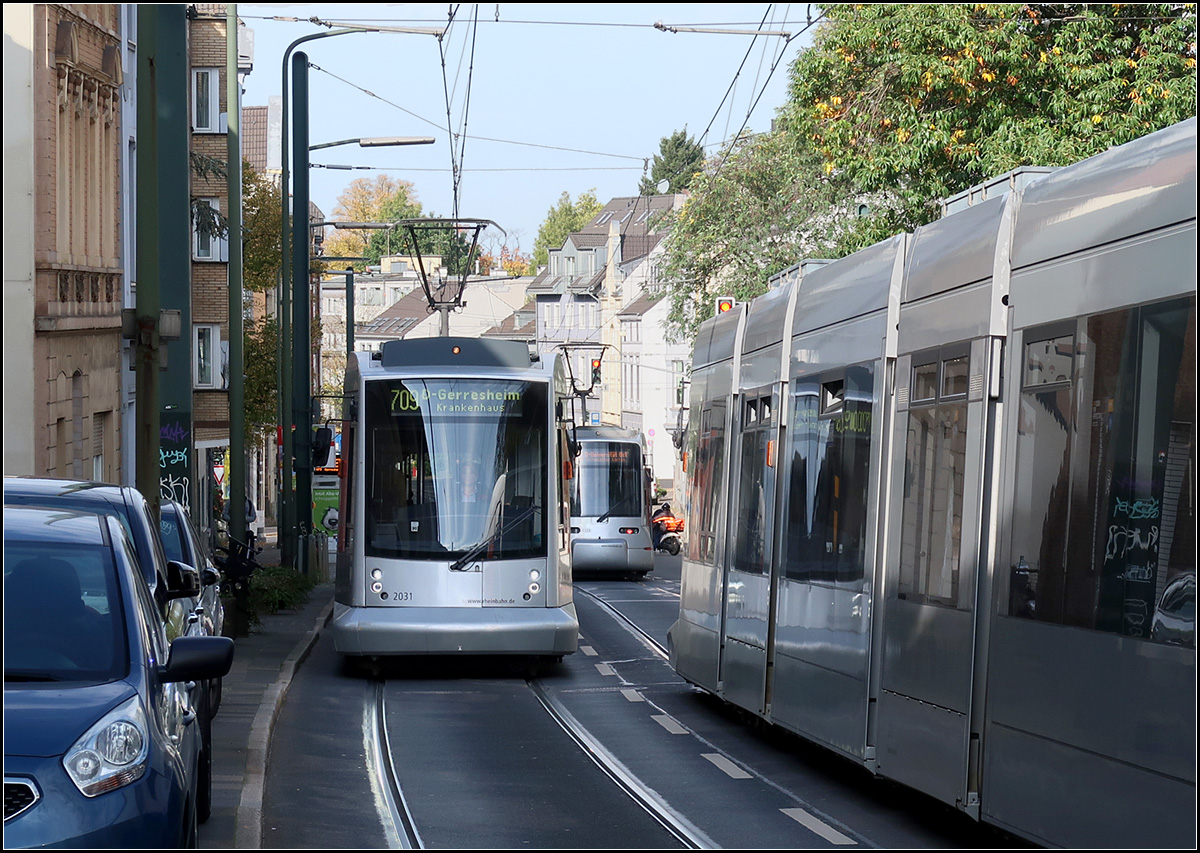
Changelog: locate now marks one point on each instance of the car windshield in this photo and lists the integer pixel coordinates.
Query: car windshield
(453, 463)
(608, 480)
(63, 619)
(171, 528)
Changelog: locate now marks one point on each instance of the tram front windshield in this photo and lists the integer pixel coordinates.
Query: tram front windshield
(609, 480)
(453, 465)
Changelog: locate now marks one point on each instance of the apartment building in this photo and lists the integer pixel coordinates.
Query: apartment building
(64, 258)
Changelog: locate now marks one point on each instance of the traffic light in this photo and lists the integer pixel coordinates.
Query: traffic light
(725, 303)
(595, 371)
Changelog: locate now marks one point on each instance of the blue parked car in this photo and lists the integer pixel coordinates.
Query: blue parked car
(101, 745)
(180, 588)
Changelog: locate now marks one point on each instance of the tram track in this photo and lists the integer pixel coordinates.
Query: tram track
(628, 624)
(395, 815)
(686, 833)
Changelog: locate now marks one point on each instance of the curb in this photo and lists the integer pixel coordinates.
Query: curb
(248, 822)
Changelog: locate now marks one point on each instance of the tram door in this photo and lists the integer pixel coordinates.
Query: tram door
(748, 591)
(938, 508)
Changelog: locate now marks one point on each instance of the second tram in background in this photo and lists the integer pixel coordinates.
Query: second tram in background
(610, 502)
(942, 504)
(453, 523)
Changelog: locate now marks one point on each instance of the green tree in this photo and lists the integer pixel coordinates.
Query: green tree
(563, 219)
(443, 239)
(757, 208)
(261, 213)
(398, 206)
(678, 160)
(928, 99)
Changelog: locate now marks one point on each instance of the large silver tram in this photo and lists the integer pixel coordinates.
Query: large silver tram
(942, 508)
(453, 535)
(610, 502)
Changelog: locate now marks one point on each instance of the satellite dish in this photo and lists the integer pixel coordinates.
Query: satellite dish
(663, 186)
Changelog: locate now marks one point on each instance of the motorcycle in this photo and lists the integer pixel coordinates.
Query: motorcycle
(668, 529)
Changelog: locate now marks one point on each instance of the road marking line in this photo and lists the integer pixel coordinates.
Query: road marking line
(605, 669)
(669, 724)
(632, 695)
(587, 650)
(818, 826)
(726, 766)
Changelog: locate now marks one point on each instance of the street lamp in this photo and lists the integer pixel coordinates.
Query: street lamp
(302, 368)
(290, 523)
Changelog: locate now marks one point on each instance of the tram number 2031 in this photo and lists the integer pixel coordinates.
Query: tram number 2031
(399, 596)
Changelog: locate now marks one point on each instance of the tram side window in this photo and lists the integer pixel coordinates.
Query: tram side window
(751, 535)
(706, 482)
(829, 476)
(934, 469)
(1104, 512)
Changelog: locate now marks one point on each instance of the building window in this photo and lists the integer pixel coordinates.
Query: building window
(207, 362)
(207, 244)
(206, 102)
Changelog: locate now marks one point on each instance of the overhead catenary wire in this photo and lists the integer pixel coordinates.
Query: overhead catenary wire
(452, 84)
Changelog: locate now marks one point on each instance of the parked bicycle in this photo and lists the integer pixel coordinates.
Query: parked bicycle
(238, 561)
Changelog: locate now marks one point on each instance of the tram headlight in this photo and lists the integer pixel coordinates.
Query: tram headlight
(534, 587)
(377, 587)
(377, 574)
(534, 574)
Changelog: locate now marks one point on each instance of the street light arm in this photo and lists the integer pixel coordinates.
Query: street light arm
(377, 142)
(290, 523)
(659, 25)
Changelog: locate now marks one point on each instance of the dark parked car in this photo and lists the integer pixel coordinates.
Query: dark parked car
(101, 746)
(175, 584)
(182, 542)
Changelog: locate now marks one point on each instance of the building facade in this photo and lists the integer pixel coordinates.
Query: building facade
(209, 110)
(63, 249)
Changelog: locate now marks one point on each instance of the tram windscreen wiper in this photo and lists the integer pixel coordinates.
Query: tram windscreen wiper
(613, 509)
(457, 565)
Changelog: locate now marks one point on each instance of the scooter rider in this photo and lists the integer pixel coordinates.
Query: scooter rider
(656, 527)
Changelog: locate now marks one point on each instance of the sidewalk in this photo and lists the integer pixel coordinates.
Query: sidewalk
(251, 696)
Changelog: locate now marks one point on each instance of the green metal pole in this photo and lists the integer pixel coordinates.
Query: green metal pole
(301, 307)
(148, 305)
(237, 414)
(349, 315)
(286, 521)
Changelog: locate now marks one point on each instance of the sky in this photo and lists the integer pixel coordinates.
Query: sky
(540, 99)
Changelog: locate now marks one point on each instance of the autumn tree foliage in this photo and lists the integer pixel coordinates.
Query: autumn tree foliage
(898, 106)
(504, 259)
(925, 100)
(378, 199)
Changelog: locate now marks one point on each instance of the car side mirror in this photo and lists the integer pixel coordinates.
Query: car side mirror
(209, 576)
(182, 580)
(197, 659)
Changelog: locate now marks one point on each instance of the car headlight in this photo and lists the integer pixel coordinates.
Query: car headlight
(112, 753)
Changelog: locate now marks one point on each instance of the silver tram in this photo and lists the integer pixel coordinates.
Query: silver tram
(453, 528)
(610, 502)
(942, 504)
